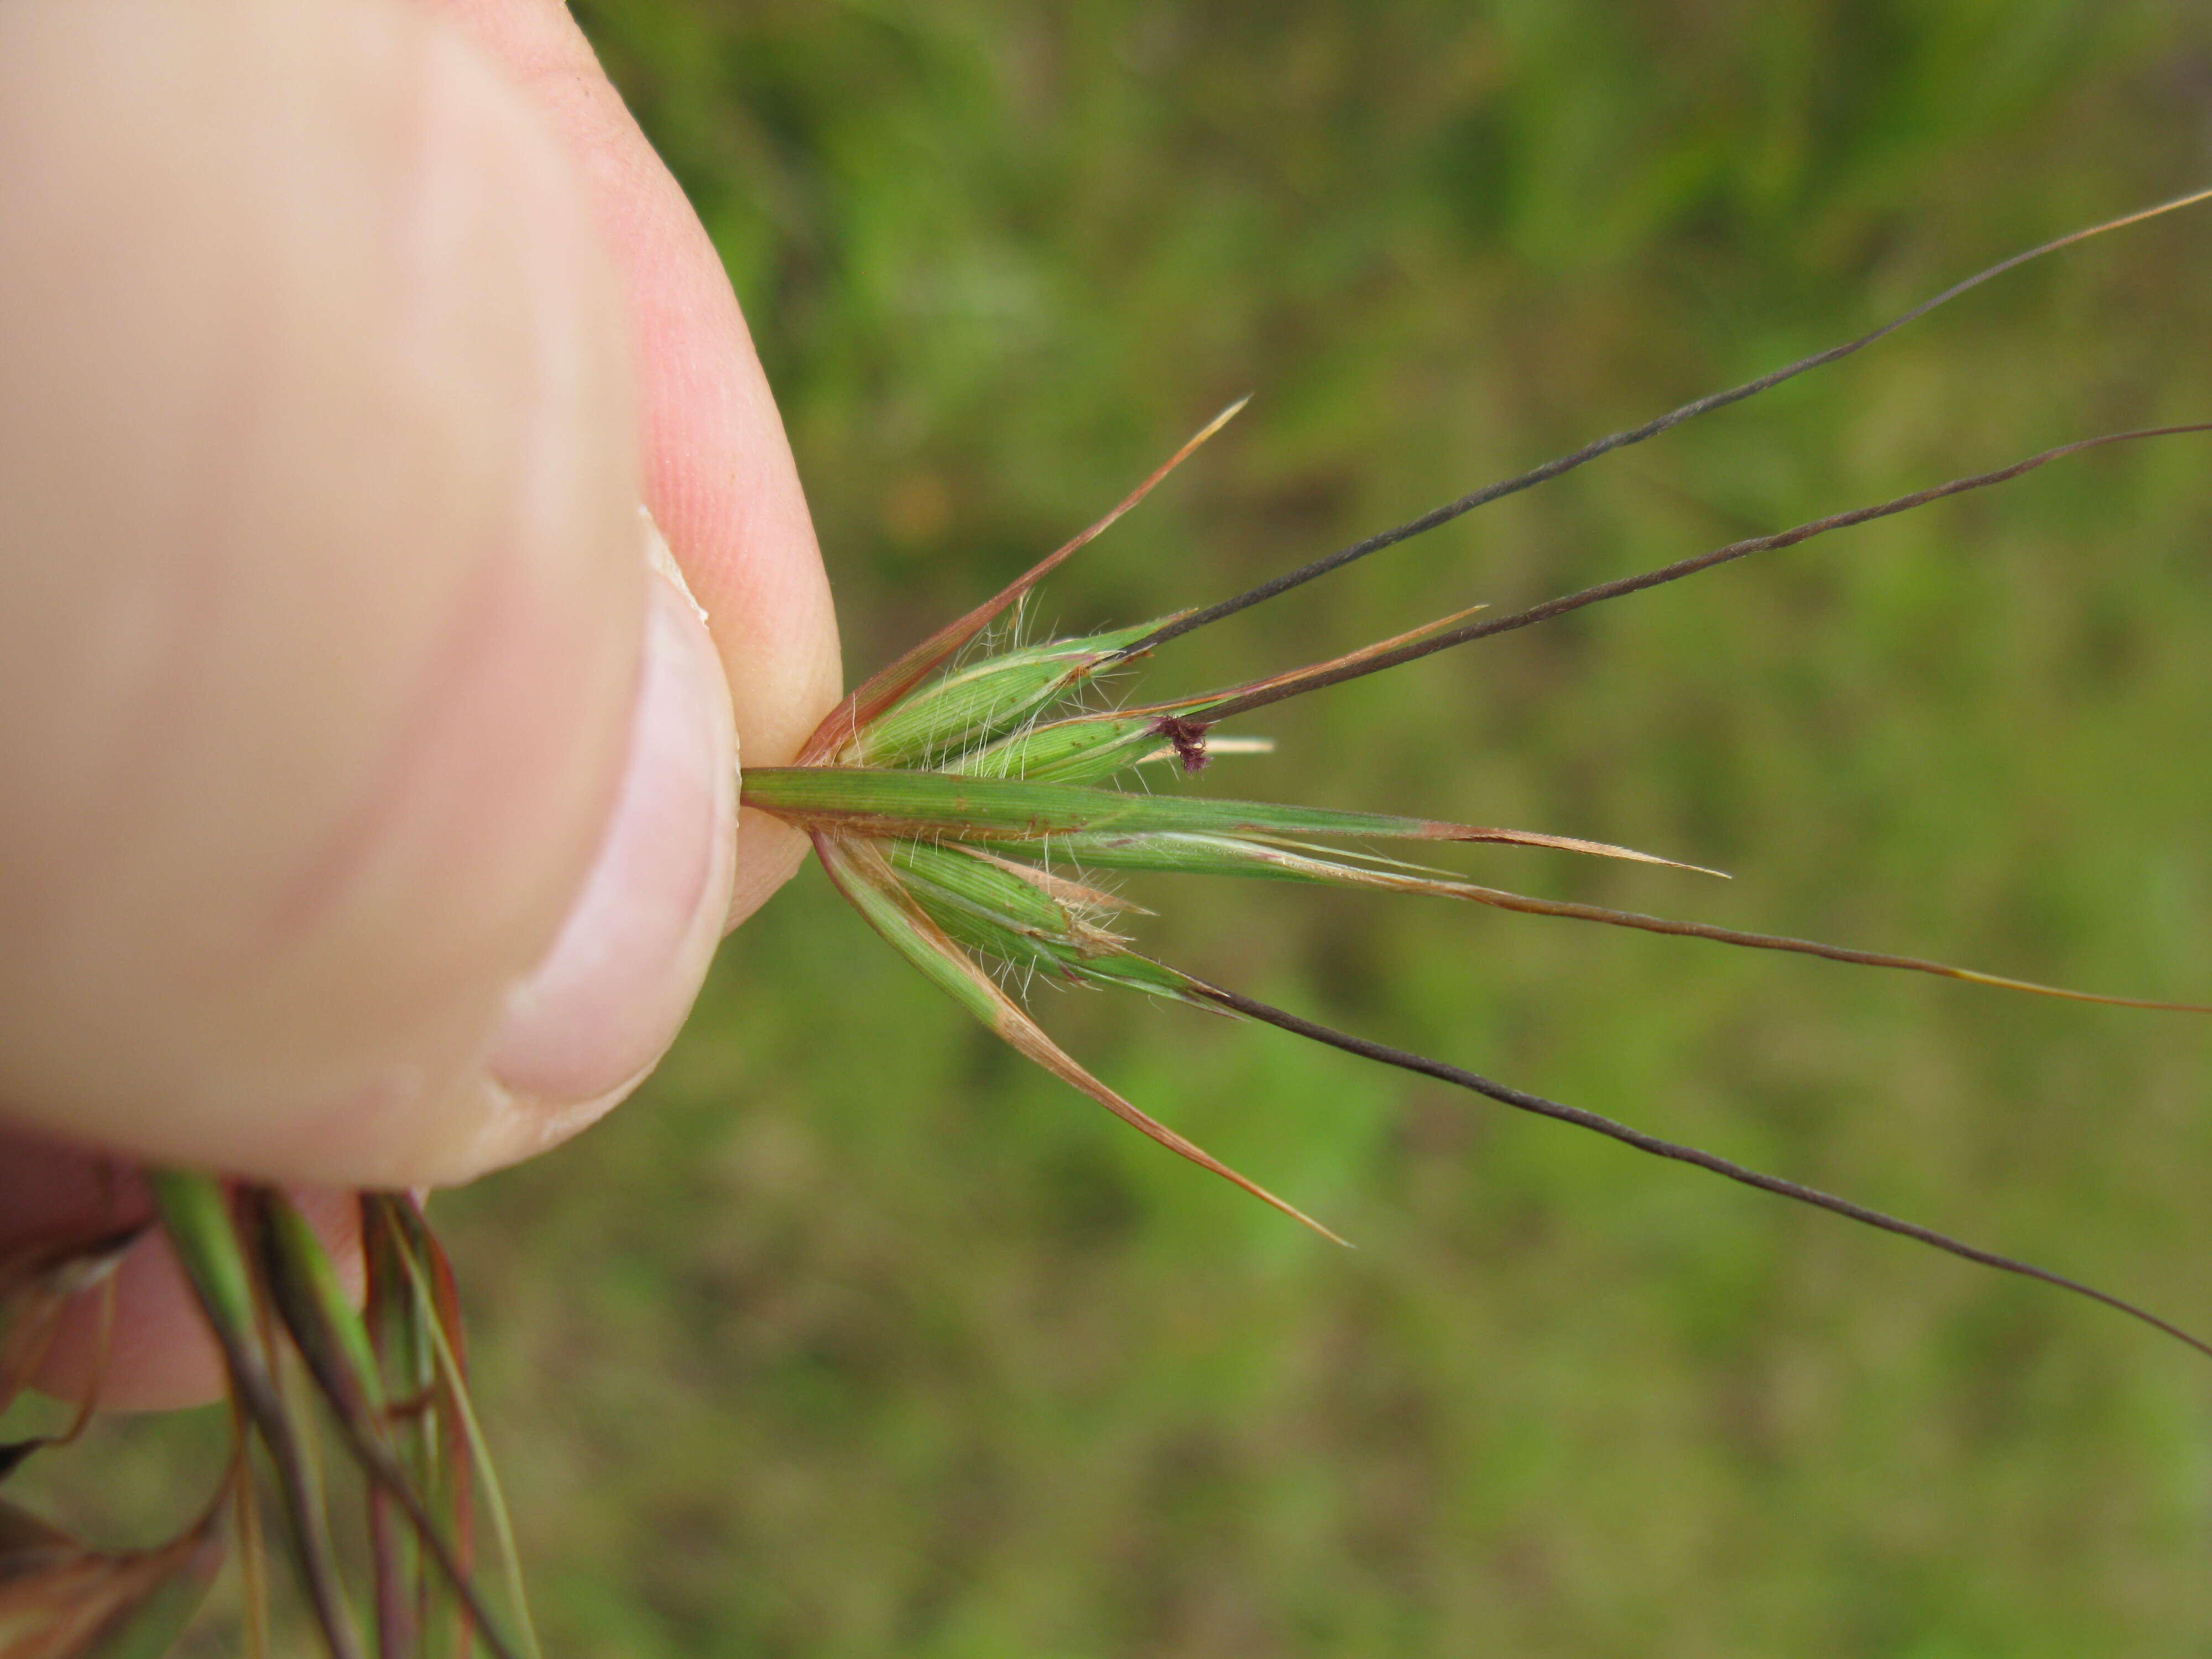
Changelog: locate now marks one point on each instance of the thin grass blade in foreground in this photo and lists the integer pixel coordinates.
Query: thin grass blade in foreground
(38, 1280)
(296, 1349)
(330, 1337)
(195, 1213)
(59, 1600)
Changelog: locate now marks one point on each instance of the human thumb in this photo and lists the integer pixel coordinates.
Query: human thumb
(365, 795)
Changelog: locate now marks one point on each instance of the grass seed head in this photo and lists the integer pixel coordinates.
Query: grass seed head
(926, 789)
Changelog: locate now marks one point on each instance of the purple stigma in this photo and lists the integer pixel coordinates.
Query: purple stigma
(1189, 738)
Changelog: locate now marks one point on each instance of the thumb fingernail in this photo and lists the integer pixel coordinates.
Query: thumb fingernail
(610, 995)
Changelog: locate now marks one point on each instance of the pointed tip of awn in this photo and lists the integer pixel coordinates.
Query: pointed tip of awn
(1564, 844)
(1226, 415)
(1297, 1214)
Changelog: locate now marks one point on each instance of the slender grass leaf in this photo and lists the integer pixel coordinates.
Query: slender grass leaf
(424, 1261)
(423, 1274)
(1084, 751)
(1024, 898)
(934, 803)
(1093, 747)
(315, 1307)
(253, 1554)
(414, 1612)
(195, 1213)
(1081, 894)
(335, 1344)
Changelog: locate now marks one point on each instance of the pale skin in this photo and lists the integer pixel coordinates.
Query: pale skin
(369, 811)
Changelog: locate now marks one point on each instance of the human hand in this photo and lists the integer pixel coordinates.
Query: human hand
(369, 799)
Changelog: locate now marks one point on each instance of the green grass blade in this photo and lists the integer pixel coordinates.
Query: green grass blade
(401, 1592)
(1090, 748)
(1086, 751)
(424, 1263)
(316, 1307)
(414, 1613)
(1205, 855)
(336, 1347)
(934, 803)
(334, 1342)
(195, 1213)
(866, 879)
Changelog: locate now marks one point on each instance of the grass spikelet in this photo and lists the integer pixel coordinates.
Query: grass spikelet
(1024, 783)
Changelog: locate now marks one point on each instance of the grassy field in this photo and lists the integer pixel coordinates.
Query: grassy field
(853, 1337)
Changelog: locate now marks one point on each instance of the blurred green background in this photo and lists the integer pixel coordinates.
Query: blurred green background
(852, 1336)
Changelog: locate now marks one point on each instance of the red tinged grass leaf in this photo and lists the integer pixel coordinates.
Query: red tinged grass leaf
(60, 1600)
(888, 684)
(435, 1327)
(39, 1278)
(335, 1344)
